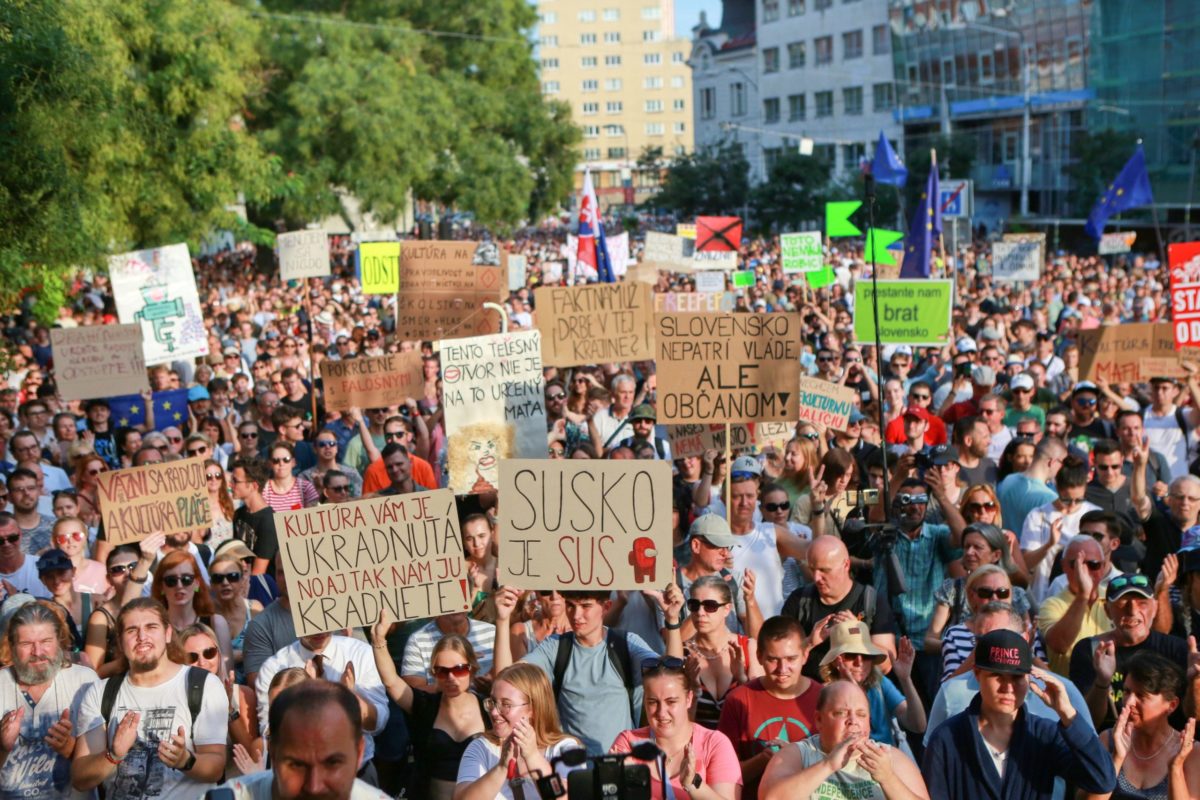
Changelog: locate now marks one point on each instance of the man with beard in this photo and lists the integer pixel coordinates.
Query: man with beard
(158, 730)
(37, 737)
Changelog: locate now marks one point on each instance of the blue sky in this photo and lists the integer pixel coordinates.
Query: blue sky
(687, 14)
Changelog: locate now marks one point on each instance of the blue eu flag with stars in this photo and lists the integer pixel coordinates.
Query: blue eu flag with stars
(1130, 190)
(924, 230)
(887, 166)
(170, 408)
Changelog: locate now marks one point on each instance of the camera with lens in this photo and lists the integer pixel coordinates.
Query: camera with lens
(606, 777)
(923, 461)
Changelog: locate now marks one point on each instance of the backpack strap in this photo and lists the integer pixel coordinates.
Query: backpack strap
(109, 698)
(196, 678)
(561, 659)
(617, 643)
(869, 602)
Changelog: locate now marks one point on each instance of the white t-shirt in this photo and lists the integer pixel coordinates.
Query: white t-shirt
(164, 710)
(1036, 532)
(1165, 436)
(258, 787)
(758, 551)
(482, 756)
(26, 579)
(33, 769)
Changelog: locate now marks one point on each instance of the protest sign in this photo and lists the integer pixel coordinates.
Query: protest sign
(303, 254)
(744, 279)
(98, 361)
(710, 302)
(171, 497)
(552, 272)
(912, 312)
(718, 233)
(715, 259)
(826, 404)
(345, 562)
(157, 290)
(1161, 367)
(1038, 238)
(1126, 352)
(579, 524)
(694, 440)
(773, 434)
(379, 267)
(618, 253)
(664, 251)
(372, 382)
(445, 285)
(801, 252)
(727, 367)
(878, 246)
(1016, 261)
(837, 218)
(1184, 260)
(594, 324)
(710, 282)
(1112, 244)
(492, 389)
(686, 230)
(641, 272)
(517, 267)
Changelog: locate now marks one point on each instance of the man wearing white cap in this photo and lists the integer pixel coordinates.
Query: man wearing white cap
(1020, 402)
(710, 543)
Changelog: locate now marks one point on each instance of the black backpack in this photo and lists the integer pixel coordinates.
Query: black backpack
(807, 601)
(196, 678)
(617, 644)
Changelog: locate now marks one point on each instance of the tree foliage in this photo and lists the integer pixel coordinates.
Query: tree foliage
(1097, 159)
(793, 193)
(705, 182)
(955, 154)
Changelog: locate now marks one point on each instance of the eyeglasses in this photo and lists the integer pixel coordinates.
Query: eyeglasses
(208, 654)
(225, 577)
(121, 569)
(918, 397)
(987, 593)
(11, 539)
(94, 472)
(825, 358)
(1109, 467)
(580, 380)
(1185, 498)
(906, 499)
(666, 662)
(986, 505)
(1071, 501)
(282, 460)
(213, 476)
(1092, 565)
(773, 507)
(174, 439)
(709, 606)
(77, 536)
(812, 437)
(326, 443)
(394, 435)
(1085, 401)
(491, 704)
(458, 671)
(172, 581)
(251, 435)
(555, 397)
(197, 451)
(339, 488)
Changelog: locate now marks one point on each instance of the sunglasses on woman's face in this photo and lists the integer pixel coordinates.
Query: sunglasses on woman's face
(121, 569)
(225, 577)
(987, 593)
(197, 451)
(213, 476)
(76, 536)
(208, 654)
(173, 581)
(709, 606)
(345, 487)
(283, 460)
(975, 508)
(458, 671)
(771, 508)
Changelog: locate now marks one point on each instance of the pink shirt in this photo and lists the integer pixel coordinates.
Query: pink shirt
(302, 495)
(716, 761)
(91, 577)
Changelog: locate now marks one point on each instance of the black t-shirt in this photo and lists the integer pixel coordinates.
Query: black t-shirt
(855, 601)
(1118, 502)
(1083, 673)
(984, 472)
(257, 530)
(1163, 537)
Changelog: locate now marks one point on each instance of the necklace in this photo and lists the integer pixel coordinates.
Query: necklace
(707, 655)
(1133, 750)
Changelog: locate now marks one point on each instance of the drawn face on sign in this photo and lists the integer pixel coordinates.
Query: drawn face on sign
(475, 452)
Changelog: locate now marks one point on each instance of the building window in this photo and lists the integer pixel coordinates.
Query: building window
(587, 38)
(853, 155)
(679, 104)
(612, 37)
(881, 40)
(771, 110)
(616, 152)
(796, 55)
(549, 18)
(737, 99)
(852, 100)
(824, 101)
(591, 108)
(587, 62)
(796, 110)
(770, 10)
(614, 107)
(550, 87)
(587, 15)
(614, 129)
(824, 48)
(649, 36)
(986, 74)
(612, 85)
(678, 58)
(591, 153)
(612, 14)
(883, 97)
(548, 41)
(681, 127)
(825, 152)
(655, 129)
(612, 61)
(677, 82)
(852, 45)
(651, 12)
(652, 83)
(549, 63)
(770, 59)
(708, 103)
(591, 86)
(771, 158)
(795, 8)
(654, 106)
(652, 58)
(821, 5)
(591, 131)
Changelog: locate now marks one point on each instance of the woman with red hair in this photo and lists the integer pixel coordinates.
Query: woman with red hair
(179, 586)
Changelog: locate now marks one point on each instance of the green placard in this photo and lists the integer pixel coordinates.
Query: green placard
(913, 312)
(744, 279)
(821, 278)
(379, 266)
(879, 239)
(802, 252)
(837, 218)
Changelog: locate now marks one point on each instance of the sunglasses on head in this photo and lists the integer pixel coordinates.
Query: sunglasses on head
(987, 593)
(225, 577)
(773, 507)
(1123, 581)
(172, 581)
(709, 606)
(208, 654)
(458, 671)
(666, 662)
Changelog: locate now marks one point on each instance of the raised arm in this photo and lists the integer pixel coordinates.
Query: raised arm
(396, 688)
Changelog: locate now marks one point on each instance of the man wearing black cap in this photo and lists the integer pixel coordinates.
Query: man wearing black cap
(642, 420)
(1086, 424)
(996, 748)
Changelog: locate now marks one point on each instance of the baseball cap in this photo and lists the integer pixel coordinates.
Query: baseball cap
(857, 416)
(746, 464)
(53, 559)
(983, 376)
(1164, 379)
(944, 454)
(1130, 584)
(197, 393)
(965, 344)
(713, 529)
(1013, 358)
(914, 411)
(1003, 651)
(231, 351)
(644, 411)
(1085, 386)
(1022, 381)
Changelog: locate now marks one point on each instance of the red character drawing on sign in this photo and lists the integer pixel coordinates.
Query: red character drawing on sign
(642, 558)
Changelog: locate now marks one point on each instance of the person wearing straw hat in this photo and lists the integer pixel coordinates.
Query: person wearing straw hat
(852, 657)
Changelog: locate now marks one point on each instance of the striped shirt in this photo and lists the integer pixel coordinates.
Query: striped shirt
(418, 651)
(302, 495)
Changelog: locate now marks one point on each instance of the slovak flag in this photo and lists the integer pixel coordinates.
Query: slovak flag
(593, 250)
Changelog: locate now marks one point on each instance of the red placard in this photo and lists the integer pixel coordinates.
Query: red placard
(718, 233)
(1184, 260)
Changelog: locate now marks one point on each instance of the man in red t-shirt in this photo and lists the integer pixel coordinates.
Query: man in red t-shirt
(780, 707)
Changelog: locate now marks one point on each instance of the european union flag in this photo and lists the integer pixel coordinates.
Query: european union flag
(1130, 190)
(170, 408)
(887, 166)
(924, 230)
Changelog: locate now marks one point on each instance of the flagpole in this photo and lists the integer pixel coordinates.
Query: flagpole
(1162, 252)
(943, 271)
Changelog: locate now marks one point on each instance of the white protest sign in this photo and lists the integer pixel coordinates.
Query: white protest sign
(664, 251)
(517, 266)
(618, 253)
(802, 252)
(715, 259)
(710, 282)
(157, 289)
(1016, 261)
(303, 254)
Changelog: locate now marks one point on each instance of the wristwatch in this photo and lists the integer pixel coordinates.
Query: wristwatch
(697, 781)
(191, 762)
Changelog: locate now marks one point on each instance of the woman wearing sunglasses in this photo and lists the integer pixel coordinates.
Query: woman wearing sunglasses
(198, 646)
(700, 763)
(70, 535)
(87, 485)
(989, 583)
(443, 723)
(181, 589)
(718, 660)
(853, 657)
(101, 645)
(221, 503)
(284, 491)
(230, 590)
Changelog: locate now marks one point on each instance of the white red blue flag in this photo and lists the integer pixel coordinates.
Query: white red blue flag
(593, 250)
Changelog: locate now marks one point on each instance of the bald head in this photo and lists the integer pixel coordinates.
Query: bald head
(1084, 546)
(829, 562)
(839, 691)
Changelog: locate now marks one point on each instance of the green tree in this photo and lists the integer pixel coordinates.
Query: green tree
(794, 192)
(1096, 160)
(705, 182)
(955, 154)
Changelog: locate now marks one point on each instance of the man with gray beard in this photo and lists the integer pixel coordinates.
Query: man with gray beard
(40, 697)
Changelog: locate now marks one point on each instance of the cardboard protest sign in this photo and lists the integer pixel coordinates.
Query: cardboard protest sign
(492, 389)
(98, 361)
(157, 290)
(517, 267)
(1184, 260)
(685, 229)
(710, 282)
(710, 302)
(1016, 261)
(715, 259)
(379, 266)
(579, 524)
(1115, 352)
(826, 404)
(1116, 243)
(171, 497)
(773, 434)
(445, 285)
(641, 272)
(694, 440)
(718, 233)
(345, 562)
(372, 382)
(594, 324)
(912, 312)
(618, 253)
(664, 251)
(727, 367)
(1161, 367)
(303, 254)
(802, 252)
